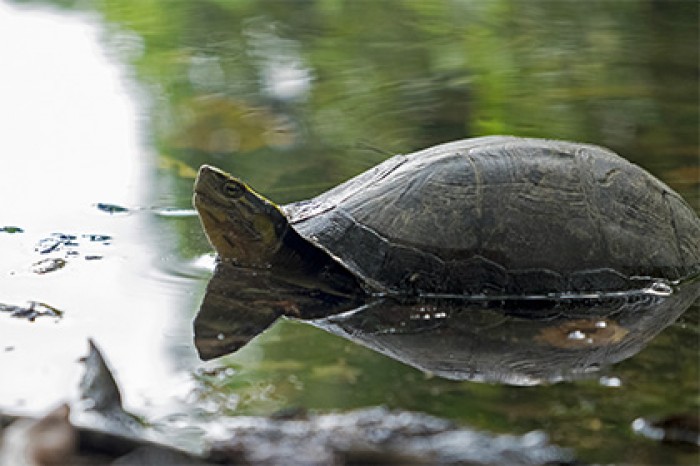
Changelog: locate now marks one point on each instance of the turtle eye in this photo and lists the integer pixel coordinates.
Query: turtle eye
(233, 189)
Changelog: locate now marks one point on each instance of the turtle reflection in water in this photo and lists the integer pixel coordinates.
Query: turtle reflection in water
(515, 341)
(489, 218)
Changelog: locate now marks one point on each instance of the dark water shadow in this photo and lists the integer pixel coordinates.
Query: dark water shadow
(513, 341)
(241, 303)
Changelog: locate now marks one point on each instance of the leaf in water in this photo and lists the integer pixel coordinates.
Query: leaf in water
(11, 229)
(47, 245)
(55, 242)
(65, 237)
(32, 311)
(111, 208)
(48, 265)
(98, 238)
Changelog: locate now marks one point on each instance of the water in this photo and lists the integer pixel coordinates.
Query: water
(113, 105)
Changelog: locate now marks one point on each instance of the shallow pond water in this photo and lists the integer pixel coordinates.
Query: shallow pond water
(109, 108)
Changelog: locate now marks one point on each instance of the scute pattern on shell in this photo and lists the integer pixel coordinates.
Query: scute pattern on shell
(504, 214)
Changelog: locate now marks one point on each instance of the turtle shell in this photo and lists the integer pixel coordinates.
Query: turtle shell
(504, 215)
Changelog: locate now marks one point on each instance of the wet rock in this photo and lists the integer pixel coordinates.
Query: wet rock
(54, 441)
(33, 310)
(49, 441)
(367, 436)
(109, 432)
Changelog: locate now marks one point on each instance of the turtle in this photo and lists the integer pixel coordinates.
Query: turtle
(485, 216)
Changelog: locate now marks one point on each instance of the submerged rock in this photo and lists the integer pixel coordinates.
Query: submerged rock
(378, 436)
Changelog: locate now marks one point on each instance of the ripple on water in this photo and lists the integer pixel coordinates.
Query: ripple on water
(170, 212)
(198, 268)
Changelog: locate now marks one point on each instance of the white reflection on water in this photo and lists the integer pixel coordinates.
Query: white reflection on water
(70, 139)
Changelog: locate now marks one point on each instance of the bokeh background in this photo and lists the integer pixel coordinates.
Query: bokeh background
(118, 103)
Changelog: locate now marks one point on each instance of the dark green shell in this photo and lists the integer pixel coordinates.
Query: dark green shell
(504, 214)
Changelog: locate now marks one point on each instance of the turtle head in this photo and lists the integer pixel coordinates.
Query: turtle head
(241, 224)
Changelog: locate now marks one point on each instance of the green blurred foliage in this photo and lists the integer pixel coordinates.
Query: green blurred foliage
(293, 95)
